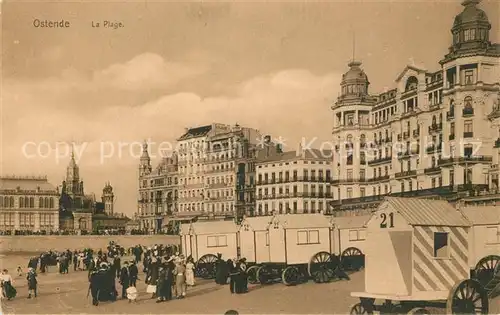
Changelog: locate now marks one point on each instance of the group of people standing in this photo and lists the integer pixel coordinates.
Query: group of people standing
(233, 269)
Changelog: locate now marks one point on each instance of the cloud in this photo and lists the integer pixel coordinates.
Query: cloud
(145, 71)
(291, 104)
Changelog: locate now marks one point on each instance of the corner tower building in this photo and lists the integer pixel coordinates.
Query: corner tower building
(436, 133)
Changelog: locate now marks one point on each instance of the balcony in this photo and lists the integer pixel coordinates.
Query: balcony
(435, 127)
(450, 115)
(467, 112)
(464, 160)
(433, 148)
(388, 139)
(380, 160)
(468, 134)
(497, 143)
(406, 174)
(379, 178)
(432, 170)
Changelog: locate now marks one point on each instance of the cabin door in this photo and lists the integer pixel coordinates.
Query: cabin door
(389, 262)
(277, 244)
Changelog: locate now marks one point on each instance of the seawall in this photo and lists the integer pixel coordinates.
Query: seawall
(37, 244)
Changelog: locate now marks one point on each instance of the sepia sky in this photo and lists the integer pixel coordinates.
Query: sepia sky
(273, 66)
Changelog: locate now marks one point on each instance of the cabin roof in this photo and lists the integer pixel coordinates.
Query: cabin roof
(214, 227)
(304, 221)
(260, 223)
(350, 222)
(482, 215)
(428, 212)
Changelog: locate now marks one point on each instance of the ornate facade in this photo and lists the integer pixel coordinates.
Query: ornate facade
(28, 204)
(158, 191)
(435, 132)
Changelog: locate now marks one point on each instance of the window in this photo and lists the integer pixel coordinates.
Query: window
(217, 241)
(267, 238)
(307, 237)
(467, 126)
(349, 192)
(468, 76)
(357, 235)
(441, 245)
(493, 235)
(362, 174)
(468, 150)
(468, 102)
(349, 174)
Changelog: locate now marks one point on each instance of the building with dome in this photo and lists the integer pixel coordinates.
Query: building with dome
(436, 134)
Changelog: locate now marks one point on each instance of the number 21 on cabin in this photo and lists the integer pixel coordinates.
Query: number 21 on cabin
(386, 220)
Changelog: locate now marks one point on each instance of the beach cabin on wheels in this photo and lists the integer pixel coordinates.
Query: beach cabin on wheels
(204, 240)
(484, 252)
(417, 251)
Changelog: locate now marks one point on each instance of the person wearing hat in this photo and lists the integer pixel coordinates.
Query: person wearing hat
(180, 279)
(32, 282)
(124, 279)
(133, 273)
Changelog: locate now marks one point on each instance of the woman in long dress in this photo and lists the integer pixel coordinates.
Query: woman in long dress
(190, 272)
(152, 277)
(8, 291)
(180, 279)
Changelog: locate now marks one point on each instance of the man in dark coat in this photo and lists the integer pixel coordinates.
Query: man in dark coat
(243, 276)
(96, 280)
(221, 270)
(234, 273)
(117, 266)
(75, 260)
(133, 273)
(124, 280)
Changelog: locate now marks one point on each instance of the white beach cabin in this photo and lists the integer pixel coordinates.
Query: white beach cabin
(415, 249)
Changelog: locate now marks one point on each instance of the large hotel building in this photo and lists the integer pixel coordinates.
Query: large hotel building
(436, 132)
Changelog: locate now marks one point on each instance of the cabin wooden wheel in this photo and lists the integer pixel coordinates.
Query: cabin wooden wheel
(418, 310)
(467, 297)
(485, 269)
(205, 268)
(290, 276)
(263, 275)
(321, 267)
(360, 308)
(352, 259)
(252, 274)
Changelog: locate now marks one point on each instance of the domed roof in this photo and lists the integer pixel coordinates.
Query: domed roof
(470, 14)
(355, 73)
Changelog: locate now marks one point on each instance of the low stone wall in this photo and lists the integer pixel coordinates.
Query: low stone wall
(37, 244)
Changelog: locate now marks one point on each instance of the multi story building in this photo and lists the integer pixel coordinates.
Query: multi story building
(293, 181)
(158, 191)
(230, 171)
(216, 170)
(435, 132)
(28, 204)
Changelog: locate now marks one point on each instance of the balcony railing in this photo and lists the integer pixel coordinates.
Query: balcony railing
(380, 160)
(406, 174)
(379, 178)
(468, 111)
(435, 127)
(433, 148)
(468, 134)
(432, 170)
(465, 159)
